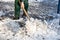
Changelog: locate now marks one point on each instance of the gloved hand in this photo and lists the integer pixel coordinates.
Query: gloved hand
(22, 5)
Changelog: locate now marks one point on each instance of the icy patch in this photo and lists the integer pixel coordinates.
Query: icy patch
(1, 13)
(51, 1)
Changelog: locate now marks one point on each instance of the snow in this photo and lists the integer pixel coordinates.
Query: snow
(33, 29)
(7, 0)
(47, 1)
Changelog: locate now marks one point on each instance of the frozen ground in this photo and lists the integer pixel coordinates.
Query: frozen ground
(43, 24)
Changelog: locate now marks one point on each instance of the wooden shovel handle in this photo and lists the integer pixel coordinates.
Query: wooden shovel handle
(25, 12)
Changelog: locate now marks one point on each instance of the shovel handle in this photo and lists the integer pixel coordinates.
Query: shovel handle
(25, 12)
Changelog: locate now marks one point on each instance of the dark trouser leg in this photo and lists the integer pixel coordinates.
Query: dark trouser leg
(17, 9)
(58, 9)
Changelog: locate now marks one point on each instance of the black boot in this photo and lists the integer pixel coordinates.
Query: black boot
(14, 18)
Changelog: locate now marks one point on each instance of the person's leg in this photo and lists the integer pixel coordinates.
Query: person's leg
(17, 9)
(58, 9)
(25, 6)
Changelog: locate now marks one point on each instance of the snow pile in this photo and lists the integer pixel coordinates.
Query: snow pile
(35, 25)
(34, 30)
(55, 26)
